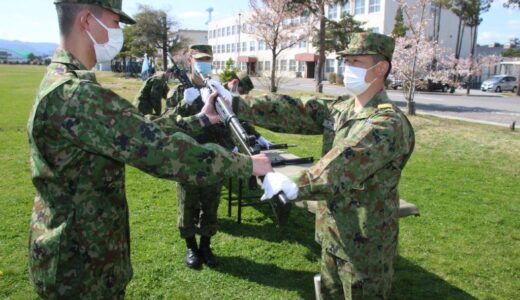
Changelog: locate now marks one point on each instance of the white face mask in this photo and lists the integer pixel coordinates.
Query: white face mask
(107, 51)
(354, 80)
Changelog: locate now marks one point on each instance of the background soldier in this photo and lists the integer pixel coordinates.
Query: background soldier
(81, 136)
(198, 205)
(154, 89)
(367, 142)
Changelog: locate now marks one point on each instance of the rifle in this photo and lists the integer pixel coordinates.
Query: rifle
(277, 147)
(247, 142)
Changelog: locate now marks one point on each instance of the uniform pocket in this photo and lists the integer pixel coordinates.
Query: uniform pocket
(44, 256)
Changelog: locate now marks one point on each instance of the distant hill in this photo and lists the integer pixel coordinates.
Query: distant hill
(39, 49)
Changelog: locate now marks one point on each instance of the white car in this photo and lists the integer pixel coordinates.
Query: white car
(500, 83)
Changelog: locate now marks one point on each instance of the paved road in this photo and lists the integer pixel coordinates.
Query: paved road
(492, 108)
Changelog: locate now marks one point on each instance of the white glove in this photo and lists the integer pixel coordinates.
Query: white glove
(204, 93)
(264, 142)
(222, 91)
(275, 183)
(190, 95)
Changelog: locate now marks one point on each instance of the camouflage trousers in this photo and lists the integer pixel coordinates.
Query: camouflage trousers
(197, 209)
(337, 281)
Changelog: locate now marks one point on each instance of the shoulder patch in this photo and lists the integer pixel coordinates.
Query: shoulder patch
(385, 106)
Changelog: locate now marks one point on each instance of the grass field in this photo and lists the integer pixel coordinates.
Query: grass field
(464, 177)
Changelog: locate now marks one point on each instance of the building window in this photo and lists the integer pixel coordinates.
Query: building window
(233, 47)
(244, 46)
(329, 65)
(359, 7)
(283, 65)
(374, 29)
(292, 65)
(374, 6)
(341, 67)
(301, 66)
(238, 47)
(228, 30)
(267, 66)
(228, 48)
(252, 46)
(303, 44)
(233, 30)
(333, 11)
(261, 45)
(346, 8)
(260, 66)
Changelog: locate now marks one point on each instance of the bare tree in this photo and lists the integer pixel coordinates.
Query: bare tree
(155, 29)
(272, 22)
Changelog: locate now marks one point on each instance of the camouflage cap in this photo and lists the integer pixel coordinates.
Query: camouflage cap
(114, 6)
(200, 51)
(245, 82)
(370, 43)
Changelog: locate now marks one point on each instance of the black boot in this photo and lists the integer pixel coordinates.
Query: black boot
(192, 256)
(205, 252)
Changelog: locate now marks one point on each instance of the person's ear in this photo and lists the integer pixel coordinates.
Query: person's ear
(382, 68)
(85, 20)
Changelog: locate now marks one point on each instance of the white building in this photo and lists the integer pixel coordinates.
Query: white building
(198, 37)
(228, 41)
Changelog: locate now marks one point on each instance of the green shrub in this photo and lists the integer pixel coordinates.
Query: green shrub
(332, 77)
(339, 79)
(229, 71)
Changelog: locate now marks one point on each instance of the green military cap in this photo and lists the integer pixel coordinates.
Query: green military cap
(370, 43)
(201, 51)
(245, 82)
(114, 6)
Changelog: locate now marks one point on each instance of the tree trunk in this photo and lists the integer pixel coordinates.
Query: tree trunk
(321, 61)
(410, 106)
(438, 29)
(473, 48)
(411, 92)
(273, 86)
(518, 85)
(165, 55)
(459, 42)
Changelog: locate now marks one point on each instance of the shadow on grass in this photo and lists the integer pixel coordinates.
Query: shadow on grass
(268, 275)
(414, 282)
(300, 228)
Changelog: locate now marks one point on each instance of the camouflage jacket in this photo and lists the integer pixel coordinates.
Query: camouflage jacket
(154, 89)
(358, 175)
(81, 136)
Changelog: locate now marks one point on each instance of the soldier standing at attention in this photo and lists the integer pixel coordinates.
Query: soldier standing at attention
(81, 136)
(367, 142)
(198, 205)
(154, 89)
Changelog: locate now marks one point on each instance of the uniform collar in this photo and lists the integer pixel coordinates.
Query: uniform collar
(371, 105)
(63, 56)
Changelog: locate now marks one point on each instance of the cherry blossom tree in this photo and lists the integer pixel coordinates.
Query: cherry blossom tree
(413, 52)
(271, 21)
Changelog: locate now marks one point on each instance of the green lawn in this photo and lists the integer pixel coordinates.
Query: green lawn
(465, 178)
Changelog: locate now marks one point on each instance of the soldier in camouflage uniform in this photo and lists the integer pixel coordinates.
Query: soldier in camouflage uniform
(154, 89)
(81, 136)
(367, 141)
(198, 205)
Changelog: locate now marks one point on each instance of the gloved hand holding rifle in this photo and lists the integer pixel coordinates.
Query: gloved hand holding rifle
(222, 99)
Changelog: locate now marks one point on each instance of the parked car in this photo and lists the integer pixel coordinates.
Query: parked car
(394, 82)
(500, 83)
(429, 85)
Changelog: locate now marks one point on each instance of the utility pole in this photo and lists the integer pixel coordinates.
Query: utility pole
(239, 44)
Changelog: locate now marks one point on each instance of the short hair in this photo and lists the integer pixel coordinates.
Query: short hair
(379, 58)
(67, 13)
